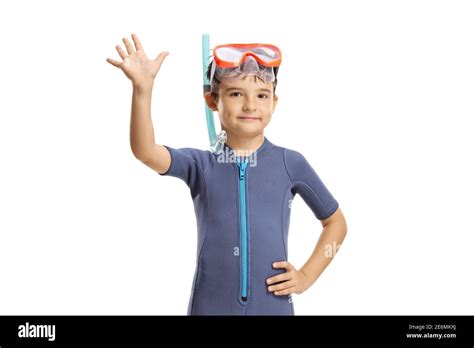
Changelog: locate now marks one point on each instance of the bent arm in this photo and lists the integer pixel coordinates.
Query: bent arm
(332, 236)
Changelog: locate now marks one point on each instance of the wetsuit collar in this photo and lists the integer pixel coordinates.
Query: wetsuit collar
(261, 151)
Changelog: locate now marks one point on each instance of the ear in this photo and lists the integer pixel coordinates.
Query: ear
(275, 101)
(211, 103)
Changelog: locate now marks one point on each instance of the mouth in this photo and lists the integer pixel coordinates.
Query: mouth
(248, 118)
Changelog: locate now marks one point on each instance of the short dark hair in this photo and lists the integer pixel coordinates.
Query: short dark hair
(215, 82)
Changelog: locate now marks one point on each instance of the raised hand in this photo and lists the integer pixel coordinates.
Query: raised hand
(135, 63)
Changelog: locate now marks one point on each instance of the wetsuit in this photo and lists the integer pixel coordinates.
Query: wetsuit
(243, 213)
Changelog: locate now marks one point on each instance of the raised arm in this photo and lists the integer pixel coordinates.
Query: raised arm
(142, 72)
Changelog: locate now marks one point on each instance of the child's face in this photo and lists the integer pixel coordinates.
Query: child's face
(245, 105)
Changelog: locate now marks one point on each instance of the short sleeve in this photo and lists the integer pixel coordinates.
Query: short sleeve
(309, 186)
(188, 165)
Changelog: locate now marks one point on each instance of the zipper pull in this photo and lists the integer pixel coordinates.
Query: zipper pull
(242, 166)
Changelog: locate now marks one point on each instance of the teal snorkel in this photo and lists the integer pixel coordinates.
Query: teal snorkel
(216, 141)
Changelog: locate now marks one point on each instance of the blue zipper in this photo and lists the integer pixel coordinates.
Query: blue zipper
(243, 229)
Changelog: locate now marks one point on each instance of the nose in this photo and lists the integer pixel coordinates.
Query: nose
(249, 104)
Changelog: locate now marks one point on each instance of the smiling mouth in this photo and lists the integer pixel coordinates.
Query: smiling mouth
(248, 118)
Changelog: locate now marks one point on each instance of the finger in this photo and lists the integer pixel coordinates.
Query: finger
(121, 52)
(161, 57)
(281, 286)
(129, 46)
(279, 278)
(286, 291)
(283, 264)
(136, 41)
(114, 62)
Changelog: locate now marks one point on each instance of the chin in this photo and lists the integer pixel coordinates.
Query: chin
(249, 131)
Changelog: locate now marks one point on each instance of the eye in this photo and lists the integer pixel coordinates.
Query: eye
(234, 93)
(264, 96)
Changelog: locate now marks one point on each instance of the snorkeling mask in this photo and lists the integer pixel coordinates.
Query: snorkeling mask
(231, 61)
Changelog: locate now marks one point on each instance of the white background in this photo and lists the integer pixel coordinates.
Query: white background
(378, 96)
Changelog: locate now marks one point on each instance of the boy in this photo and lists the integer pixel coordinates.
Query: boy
(242, 207)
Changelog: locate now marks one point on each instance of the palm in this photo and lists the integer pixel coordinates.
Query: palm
(136, 65)
(140, 66)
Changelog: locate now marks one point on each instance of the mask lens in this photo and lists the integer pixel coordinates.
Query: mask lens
(234, 54)
(264, 53)
(229, 54)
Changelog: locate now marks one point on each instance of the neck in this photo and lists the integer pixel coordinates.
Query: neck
(242, 145)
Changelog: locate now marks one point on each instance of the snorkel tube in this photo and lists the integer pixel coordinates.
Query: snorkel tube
(216, 141)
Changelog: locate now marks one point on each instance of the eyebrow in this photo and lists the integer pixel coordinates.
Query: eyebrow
(241, 89)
